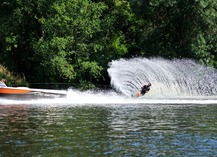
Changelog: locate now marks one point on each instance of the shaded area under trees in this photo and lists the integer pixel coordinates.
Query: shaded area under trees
(72, 41)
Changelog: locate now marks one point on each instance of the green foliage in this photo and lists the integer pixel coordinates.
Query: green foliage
(72, 41)
(90, 70)
(12, 79)
(170, 28)
(66, 46)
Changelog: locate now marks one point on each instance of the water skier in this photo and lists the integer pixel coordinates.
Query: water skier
(144, 89)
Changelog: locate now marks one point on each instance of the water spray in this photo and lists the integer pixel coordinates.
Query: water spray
(173, 78)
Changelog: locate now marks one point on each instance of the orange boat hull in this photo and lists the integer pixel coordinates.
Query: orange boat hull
(8, 90)
(27, 93)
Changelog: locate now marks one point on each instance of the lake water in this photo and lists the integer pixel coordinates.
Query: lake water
(108, 126)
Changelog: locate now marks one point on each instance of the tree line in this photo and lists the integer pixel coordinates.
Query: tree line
(73, 41)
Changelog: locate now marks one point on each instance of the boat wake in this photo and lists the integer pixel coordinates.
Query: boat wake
(173, 82)
(109, 99)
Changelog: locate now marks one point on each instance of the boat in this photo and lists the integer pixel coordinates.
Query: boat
(30, 93)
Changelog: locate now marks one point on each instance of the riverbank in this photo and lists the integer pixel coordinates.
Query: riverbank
(11, 77)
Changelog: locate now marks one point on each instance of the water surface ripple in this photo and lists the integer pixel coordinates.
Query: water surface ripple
(108, 130)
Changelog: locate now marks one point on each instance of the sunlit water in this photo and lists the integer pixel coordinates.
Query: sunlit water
(176, 118)
(108, 124)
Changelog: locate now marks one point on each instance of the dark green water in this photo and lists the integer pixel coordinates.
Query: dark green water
(126, 130)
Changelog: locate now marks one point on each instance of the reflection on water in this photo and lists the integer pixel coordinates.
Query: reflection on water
(108, 130)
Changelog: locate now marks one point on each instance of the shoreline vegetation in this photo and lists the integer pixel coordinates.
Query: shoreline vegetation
(72, 42)
(11, 77)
